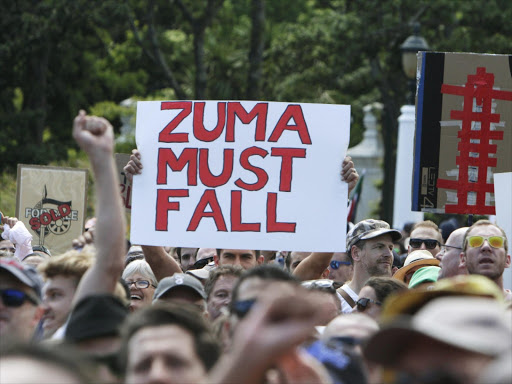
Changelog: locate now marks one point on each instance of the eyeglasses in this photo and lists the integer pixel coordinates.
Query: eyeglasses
(478, 241)
(15, 298)
(362, 304)
(335, 264)
(429, 243)
(444, 248)
(141, 284)
(320, 284)
(241, 308)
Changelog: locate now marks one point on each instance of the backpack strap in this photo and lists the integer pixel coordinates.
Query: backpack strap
(347, 297)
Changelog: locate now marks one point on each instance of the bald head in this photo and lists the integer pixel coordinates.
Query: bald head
(450, 255)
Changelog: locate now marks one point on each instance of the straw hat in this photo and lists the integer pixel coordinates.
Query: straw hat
(415, 259)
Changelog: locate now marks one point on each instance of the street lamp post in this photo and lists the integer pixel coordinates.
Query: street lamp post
(402, 207)
(410, 47)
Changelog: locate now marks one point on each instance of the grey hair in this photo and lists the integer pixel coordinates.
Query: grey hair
(142, 267)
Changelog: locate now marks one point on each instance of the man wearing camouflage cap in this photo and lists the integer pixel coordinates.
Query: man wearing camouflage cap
(370, 246)
(20, 301)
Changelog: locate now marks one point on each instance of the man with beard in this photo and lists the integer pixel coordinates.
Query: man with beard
(485, 252)
(370, 246)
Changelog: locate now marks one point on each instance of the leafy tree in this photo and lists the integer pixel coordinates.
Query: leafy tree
(58, 56)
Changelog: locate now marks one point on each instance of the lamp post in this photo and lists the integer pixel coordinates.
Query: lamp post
(410, 47)
(402, 212)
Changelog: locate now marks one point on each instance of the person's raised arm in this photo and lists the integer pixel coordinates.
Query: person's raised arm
(15, 231)
(313, 266)
(160, 262)
(95, 136)
(271, 331)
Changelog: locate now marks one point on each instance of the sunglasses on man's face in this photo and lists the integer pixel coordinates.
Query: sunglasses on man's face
(336, 264)
(478, 241)
(15, 298)
(429, 243)
(362, 304)
(200, 264)
(242, 307)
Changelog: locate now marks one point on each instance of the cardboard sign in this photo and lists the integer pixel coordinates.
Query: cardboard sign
(463, 131)
(124, 184)
(241, 175)
(503, 186)
(51, 202)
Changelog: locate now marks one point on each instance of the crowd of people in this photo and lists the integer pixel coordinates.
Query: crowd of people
(415, 305)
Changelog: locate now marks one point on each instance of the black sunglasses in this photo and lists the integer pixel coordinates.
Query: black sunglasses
(429, 243)
(200, 264)
(362, 304)
(15, 298)
(241, 308)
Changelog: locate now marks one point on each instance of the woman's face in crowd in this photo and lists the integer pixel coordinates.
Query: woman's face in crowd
(372, 309)
(139, 297)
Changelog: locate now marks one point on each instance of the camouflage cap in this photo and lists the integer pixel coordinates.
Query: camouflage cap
(368, 229)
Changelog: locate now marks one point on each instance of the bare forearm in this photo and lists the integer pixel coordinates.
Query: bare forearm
(110, 228)
(313, 266)
(160, 262)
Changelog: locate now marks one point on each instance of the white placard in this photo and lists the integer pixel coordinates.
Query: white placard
(241, 175)
(503, 202)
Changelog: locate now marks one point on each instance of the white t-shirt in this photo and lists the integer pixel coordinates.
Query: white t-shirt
(345, 307)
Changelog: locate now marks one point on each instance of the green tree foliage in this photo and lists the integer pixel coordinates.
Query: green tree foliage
(58, 56)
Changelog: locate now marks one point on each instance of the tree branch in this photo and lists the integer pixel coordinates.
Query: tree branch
(212, 8)
(137, 37)
(256, 49)
(180, 94)
(186, 12)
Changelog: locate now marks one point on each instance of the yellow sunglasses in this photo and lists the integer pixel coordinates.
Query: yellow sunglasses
(478, 241)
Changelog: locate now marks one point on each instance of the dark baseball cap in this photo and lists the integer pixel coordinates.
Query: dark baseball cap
(96, 316)
(24, 273)
(178, 280)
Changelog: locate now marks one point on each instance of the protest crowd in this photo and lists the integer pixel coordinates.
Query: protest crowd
(420, 304)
